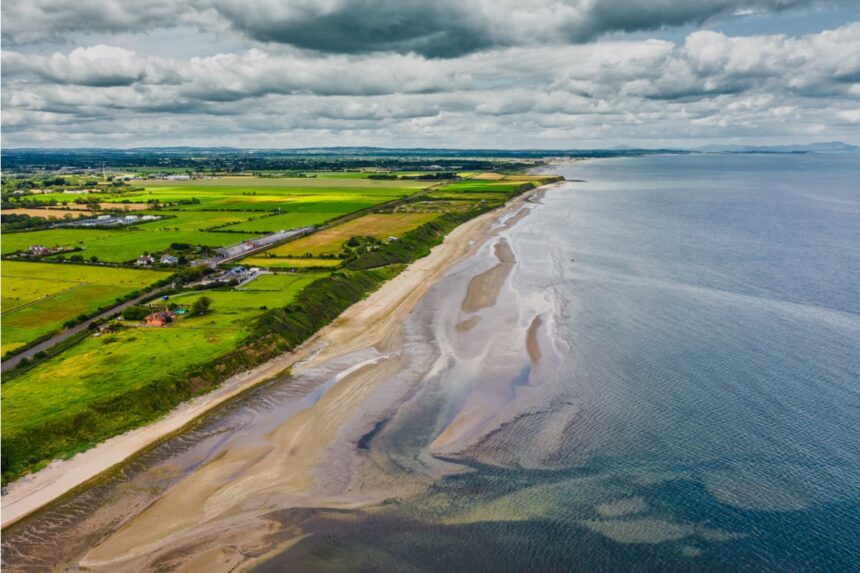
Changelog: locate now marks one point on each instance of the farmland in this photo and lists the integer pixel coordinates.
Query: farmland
(68, 400)
(48, 213)
(123, 246)
(116, 246)
(52, 238)
(39, 298)
(329, 241)
(273, 262)
(102, 367)
(310, 194)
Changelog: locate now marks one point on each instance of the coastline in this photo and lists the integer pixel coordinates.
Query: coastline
(374, 321)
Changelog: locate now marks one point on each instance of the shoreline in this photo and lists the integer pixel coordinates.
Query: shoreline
(374, 321)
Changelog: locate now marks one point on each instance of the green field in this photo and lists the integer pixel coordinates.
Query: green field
(339, 195)
(38, 297)
(482, 186)
(332, 203)
(290, 263)
(255, 193)
(193, 220)
(123, 246)
(110, 365)
(118, 246)
(12, 242)
(468, 195)
(276, 223)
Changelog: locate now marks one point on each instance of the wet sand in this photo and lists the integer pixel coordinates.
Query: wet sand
(532, 340)
(373, 322)
(484, 288)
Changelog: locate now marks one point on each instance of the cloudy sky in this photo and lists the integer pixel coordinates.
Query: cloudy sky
(447, 73)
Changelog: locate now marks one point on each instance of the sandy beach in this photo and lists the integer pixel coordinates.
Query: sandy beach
(373, 322)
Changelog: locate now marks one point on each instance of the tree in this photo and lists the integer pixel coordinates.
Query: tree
(135, 313)
(201, 305)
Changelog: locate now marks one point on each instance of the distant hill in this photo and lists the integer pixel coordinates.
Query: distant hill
(824, 147)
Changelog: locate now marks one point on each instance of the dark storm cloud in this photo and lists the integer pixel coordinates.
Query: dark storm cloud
(450, 28)
(641, 15)
(437, 28)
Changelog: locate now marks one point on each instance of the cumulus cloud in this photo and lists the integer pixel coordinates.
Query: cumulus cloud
(707, 63)
(383, 83)
(96, 66)
(35, 20)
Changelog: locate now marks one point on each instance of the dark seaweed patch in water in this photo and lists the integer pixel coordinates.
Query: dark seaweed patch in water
(364, 441)
(721, 537)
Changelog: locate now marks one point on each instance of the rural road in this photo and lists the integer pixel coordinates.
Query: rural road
(13, 361)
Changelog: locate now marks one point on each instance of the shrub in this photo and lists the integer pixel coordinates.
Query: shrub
(135, 313)
(201, 305)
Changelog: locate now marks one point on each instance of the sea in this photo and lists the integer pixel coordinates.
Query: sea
(693, 403)
(706, 314)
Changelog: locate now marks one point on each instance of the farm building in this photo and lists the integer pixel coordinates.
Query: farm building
(168, 260)
(38, 250)
(159, 318)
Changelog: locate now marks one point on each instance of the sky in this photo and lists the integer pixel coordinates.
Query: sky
(513, 74)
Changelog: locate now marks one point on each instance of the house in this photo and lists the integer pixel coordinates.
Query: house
(144, 260)
(103, 218)
(168, 260)
(159, 318)
(131, 218)
(38, 250)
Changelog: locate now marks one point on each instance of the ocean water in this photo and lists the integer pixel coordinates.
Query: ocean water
(705, 411)
(695, 405)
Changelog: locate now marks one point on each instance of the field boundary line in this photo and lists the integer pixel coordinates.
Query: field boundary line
(50, 296)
